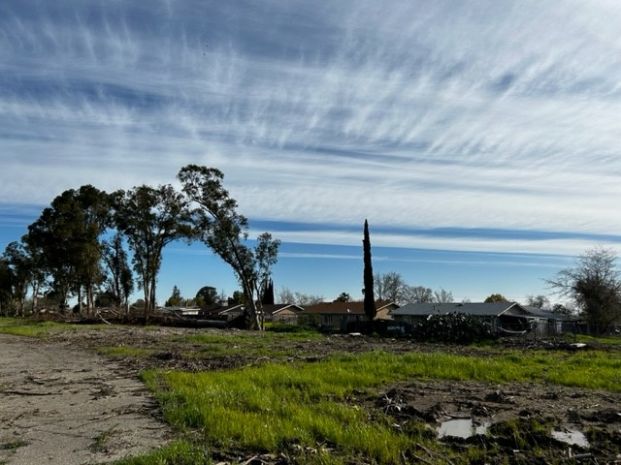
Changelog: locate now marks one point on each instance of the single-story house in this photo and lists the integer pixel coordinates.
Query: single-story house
(222, 312)
(287, 313)
(503, 317)
(559, 323)
(547, 322)
(335, 316)
(189, 312)
(283, 313)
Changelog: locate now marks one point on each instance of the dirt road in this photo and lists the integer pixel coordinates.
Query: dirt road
(66, 406)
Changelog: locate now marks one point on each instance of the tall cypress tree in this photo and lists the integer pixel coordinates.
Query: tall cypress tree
(369, 299)
(268, 294)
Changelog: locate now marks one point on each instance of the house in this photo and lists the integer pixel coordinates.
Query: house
(286, 313)
(282, 313)
(188, 312)
(335, 316)
(503, 317)
(559, 323)
(222, 312)
(547, 323)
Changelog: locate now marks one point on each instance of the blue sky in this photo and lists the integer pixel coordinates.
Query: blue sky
(481, 139)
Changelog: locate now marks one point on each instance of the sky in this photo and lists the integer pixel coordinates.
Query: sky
(481, 139)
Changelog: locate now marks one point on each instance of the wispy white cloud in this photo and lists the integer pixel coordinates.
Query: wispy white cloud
(491, 113)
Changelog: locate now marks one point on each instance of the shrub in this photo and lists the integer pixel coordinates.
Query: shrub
(455, 328)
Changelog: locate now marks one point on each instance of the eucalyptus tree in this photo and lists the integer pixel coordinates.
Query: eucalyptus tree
(221, 227)
(150, 218)
(120, 277)
(20, 266)
(67, 239)
(6, 288)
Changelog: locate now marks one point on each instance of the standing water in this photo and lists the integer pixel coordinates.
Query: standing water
(463, 428)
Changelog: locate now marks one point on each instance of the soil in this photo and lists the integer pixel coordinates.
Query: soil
(520, 417)
(59, 405)
(62, 403)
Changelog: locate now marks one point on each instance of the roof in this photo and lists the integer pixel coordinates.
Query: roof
(221, 309)
(549, 314)
(277, 308)
(344, 308)
(470, 308)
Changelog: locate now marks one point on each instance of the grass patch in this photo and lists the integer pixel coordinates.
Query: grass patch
(271, 343)
(176, 453)
(255, 337)
(33, 328)
(271, 407)
(13, 445)
(606, 340)
(125, 351)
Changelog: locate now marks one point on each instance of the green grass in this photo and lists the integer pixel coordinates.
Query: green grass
(607, 340)
(276, 343)
(264, 338)
(270, 407)
(176, 453)
(125, 351)
(32, 328)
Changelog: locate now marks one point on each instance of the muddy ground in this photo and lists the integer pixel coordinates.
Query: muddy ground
(518, 418)
(63, 406)
(62, 398)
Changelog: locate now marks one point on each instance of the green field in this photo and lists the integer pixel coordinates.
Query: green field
(271, 407)
(321, 412)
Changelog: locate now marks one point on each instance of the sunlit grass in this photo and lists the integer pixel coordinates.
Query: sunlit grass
(33, 328)
(269, 407)
(176, 453)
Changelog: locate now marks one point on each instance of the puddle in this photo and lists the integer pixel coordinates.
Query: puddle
(463, 428)
(571, 437)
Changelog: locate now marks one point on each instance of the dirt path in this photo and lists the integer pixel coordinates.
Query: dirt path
(67, 406)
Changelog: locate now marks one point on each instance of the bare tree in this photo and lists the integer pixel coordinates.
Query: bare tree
(308, 299)
(443, 296)
(285, 296)
(418, 294)
(390, 286)
(594, 285)
(538, 301)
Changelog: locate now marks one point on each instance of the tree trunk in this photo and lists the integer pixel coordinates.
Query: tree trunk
(145, 286)
(80, 299)
(35, 296)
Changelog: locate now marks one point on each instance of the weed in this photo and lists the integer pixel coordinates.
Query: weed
(125, 351)
(13, 445)
(176, 453)
(100, 442)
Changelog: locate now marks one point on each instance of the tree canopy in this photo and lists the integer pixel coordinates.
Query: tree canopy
(222, 228)
(593, 283)
(151, 218)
